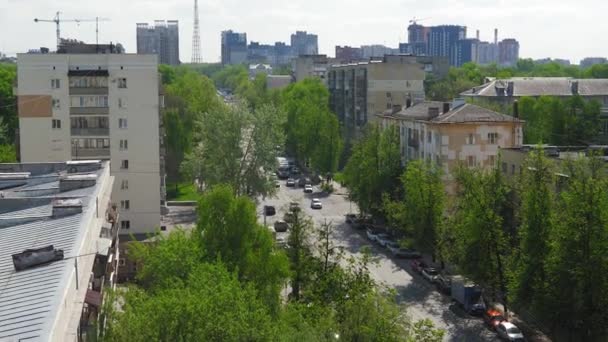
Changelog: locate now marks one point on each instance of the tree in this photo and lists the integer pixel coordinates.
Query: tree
(238, 147)
(8, 107)
(299, 252)
(374, 168)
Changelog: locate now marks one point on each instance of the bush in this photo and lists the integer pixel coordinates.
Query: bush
(327, 187)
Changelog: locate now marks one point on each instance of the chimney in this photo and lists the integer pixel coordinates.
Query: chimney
(477, 35)
(516, 109)
(495, 36)
(66, 207)
(446, 107)
(574, 87)
(510, 87)
(396, 109)
(408, 103)
(433, 112)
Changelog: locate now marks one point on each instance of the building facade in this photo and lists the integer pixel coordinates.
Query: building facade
(590, 61)
(508, 52)
(377, 51)
(453, 133)
(98, 106)
(347, 54)
(304, 43)
(466, 51)
(305, 66)
(418, 36)
(358, 91)
(234, 47)
(442, 40)
(162, 39)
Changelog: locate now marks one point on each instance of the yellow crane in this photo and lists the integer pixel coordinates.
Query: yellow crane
(57, 21)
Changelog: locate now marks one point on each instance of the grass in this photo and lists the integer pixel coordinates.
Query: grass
(182, 192)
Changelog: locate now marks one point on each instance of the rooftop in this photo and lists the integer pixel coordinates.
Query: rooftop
(458, 112)
(538, 86)
(40, 205)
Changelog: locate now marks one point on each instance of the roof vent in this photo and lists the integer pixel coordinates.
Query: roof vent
(510, 88)
(574, 87)
(66, 207)
(457, 102)
(433, 112)
(77, 166)
(35, 257)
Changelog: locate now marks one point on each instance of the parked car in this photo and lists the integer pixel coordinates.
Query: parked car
(509, 331)
(316, 204)
(290, 182)
(281, 241)
(493, 318)
(444, 284)
(294, 206)
(372, 235)
(280, 226)
(308, 189)
(269, 210)
(295, 170)
(283, 174)
(350, 218)
(418, 265)
(383, 239)
(303, 181)
(362, 222)
(430, 274)
(400, 252)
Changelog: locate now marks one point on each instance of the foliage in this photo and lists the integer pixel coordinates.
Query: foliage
(8, 107)
(185, 191)
(238, 147)
(312, 130)
(231, 77)
(374, 168)
(8, 154)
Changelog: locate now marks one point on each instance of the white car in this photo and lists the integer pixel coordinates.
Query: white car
(308, 188)
(509, 331)
(316, 204)
(430, 274)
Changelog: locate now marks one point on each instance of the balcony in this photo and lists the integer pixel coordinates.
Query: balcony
(90, 131)
(85, 153)
(89, 110)
(88, 90)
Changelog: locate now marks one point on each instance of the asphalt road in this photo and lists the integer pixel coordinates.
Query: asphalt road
(419, 297)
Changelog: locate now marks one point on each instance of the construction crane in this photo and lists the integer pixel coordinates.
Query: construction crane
(57, 20)
(415, 21)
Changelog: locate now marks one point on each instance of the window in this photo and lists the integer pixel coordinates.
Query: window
(125, 224)
(125, 204)
(122, 123)
(512, 169)
(388, 95)
(56, 104)
(389, 106)
(124, 164)
(504, 168)
(55, 83)
(122, 102)
(124, 144)
(122, 83)
(471, 161)
(492, 160)
(493, 138)
(429, 136)
(163, 228)
(124, 185)
(56, 124)
(470, 139)
(121, 262)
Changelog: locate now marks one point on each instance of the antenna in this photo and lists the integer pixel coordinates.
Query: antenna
(196, 39)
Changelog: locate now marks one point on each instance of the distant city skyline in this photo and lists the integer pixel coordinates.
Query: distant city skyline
(543, 28)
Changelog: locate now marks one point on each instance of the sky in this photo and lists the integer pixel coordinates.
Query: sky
(545, 28)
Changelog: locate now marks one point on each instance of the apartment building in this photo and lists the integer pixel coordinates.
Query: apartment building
(452, 133)
(306, 66)
(304, 43)
(234, 47)
(162, 39)
(359, 91)
(60, 230)
(101, 107)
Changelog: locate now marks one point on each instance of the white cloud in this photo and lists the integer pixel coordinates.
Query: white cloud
(544, 28)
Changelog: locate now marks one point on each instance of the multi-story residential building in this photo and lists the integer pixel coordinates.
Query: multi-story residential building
(61, 213)
(508, 52)
(277, 54)
(590, 61)
(466, 51)
(453, 133)
(358, 91)
(347, 54)
(560, 61)
(442, 40)
(161, 39)
(310, 66)
(506, 91)
(418, 36)
(513, 159)
(303, 43)
(377, 51)
(234, 47)
(487, 53)
(102, 107)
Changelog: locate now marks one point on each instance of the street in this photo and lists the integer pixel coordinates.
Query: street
(418, 295)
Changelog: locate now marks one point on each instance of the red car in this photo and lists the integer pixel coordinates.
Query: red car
(493, 318)
(418, 265)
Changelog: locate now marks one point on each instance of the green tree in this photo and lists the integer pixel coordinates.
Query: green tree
(299, 251)
(8, 106)
(238, 147)
(373, 168)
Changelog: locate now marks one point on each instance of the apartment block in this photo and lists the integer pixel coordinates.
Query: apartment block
(451, 133)
(60, 230)
(98, 107)
(359, 91)
(161, 39)
(304, 43)
(306, 66)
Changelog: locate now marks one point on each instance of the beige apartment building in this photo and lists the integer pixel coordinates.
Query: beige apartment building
(453, 133)
(91, 106)
(360, 91)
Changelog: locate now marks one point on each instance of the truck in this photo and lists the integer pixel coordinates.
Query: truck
(467, 295)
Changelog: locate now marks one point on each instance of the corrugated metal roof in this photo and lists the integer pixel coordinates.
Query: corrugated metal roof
(539, 86)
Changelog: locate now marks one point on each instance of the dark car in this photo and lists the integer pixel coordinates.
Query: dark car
(493, 318)
(280, 226)
(418, 265)
(291, 182)
(303, 181)
(269, 210)
(350, 218)
(295, 170)
(444, 284)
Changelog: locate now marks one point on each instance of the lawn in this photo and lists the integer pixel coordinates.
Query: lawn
(182, 192)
